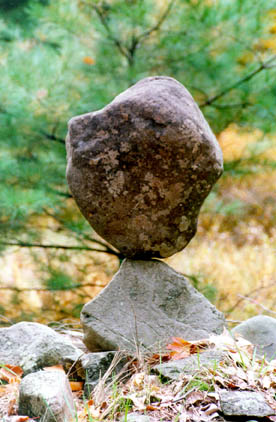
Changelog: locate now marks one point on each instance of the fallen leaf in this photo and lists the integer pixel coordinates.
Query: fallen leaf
(54, 368)
(194, 397)
(76, 385)
(152, 408)
(10, 373)
(181, 348)
(211, 409)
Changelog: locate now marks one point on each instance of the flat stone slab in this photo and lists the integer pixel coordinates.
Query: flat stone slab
(33, 346)
(244, 403)
(145, 304)
(174, 368)
(47, 395)
(140, 168)
(260, 331)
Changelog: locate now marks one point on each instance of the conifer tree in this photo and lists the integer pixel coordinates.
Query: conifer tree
(68, 57)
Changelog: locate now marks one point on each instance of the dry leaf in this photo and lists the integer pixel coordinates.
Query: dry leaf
(54, 368)
(194, 397)
(152, 408)
(11, 373)
(181, 348)
(11, 406)
(266, 382)
(76, 385)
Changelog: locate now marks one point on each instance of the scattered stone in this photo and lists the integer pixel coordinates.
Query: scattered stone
(46, 395)
(33, 346)
(140, 168)
(136, 417)
(144, 305)
(244, 403)
(174, 368)
(95, 366)
(260, 331)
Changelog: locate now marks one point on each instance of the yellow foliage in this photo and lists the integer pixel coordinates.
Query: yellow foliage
(88, 60)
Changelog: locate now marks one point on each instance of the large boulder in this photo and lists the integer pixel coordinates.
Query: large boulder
(140, 168)
(260, 330)
(33, 346)
(144, 305)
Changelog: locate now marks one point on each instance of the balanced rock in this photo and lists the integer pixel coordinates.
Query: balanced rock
(140, 168)
(145, 304)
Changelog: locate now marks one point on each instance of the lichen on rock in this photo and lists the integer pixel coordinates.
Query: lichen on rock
(140, 168)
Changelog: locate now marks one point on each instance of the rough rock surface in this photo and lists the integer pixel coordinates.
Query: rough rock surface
(95, 366)
(260, 331)
(136, 417)
(244, 403)
(174, 368)
(33, 346)
(46, 395)
(147, 302)
(140, 168)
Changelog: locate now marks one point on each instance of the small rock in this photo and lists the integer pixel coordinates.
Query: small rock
(76, 338)
(136, 417)
(140, 168)
(144, 305)
(33, 346)
(95, 366)
(244, 403)
(260, 331)
(46, 395)
(174, 368)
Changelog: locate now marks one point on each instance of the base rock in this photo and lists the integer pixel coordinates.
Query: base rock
(140, 168)
(145, 304)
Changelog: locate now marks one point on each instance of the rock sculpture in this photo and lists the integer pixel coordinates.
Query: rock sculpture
(140, 168)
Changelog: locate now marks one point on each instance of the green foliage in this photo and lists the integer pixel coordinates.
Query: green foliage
(58, 281)
(71, 57)
(207, 289)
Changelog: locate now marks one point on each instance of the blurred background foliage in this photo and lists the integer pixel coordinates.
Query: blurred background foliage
(67, 57)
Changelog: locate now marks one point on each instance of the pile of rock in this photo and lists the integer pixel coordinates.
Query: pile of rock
(140, 169)
(45, 393)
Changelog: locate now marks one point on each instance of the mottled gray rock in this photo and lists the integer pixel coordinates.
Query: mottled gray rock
(136, 417)
(174, 368)
(95, 366)
(46, 395)
(140, 168)
(147, 302)
(260, 331)
(244, 403)
(33, 346)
